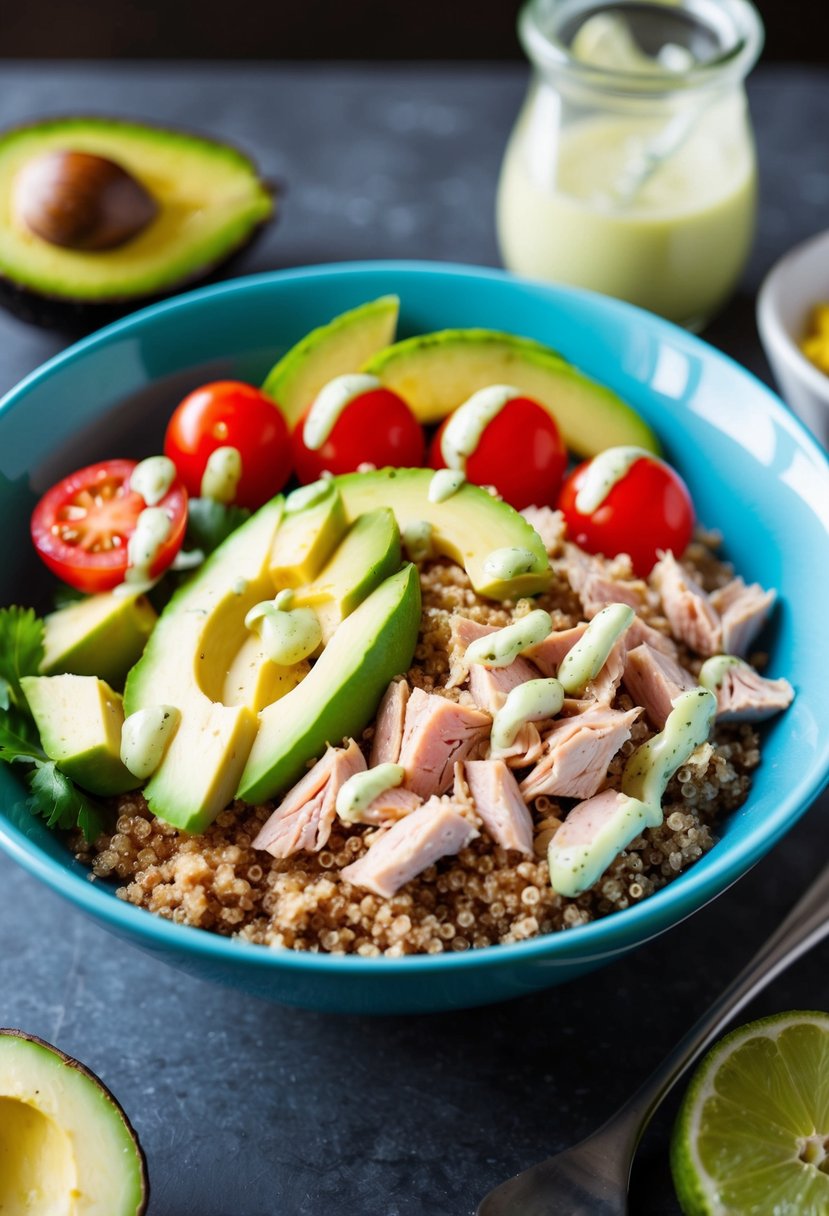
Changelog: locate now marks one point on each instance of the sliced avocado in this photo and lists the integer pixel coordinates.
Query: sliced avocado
(435, 373)
(253, 680)
(66, 1146)
(307, 535)
(343, 690)
(467, 527)
(186, 664)
(208, 200)
(369, 553)
(102, 635)
(341, 346)
(79, 719)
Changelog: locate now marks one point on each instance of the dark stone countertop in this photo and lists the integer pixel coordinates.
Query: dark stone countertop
(248, 1109)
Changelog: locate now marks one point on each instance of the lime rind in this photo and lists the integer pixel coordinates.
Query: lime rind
(752, 1104)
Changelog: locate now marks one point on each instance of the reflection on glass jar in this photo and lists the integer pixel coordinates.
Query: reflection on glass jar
(631, 167)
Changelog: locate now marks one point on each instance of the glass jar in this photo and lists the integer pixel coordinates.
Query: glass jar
(631, 168)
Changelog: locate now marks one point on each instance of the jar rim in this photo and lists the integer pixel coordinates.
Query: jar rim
(733, 63)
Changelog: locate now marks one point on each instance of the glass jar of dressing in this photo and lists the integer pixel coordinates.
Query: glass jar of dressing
(631, 167)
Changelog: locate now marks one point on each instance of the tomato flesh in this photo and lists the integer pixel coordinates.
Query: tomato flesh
(228, 413)
(520, 453)
(647, 510)
(376, 427)
(81, 526)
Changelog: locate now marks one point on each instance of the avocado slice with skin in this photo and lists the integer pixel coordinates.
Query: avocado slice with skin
(368, 554)
(467, 527)
(79, 719)
(210, 201)
(66, 1144)
(341, 346)
(341, 693)
(435, 373)
(102, 635)
(313, 525)
(186, 664)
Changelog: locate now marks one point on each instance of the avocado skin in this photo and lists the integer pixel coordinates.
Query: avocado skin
(70, 1062)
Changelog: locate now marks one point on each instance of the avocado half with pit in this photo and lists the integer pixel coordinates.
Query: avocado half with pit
(100, 212)
(66, 1145)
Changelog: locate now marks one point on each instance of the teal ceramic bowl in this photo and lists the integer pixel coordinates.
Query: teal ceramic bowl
(754, 472)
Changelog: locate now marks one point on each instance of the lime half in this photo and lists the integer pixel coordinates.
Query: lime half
(752, 1136)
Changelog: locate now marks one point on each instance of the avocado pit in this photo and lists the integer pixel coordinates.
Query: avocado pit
(81, 201)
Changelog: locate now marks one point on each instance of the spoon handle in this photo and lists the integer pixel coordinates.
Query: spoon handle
(804, 927)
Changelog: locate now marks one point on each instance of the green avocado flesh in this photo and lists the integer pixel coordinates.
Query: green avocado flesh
(467, 527)
(341, 346)
(210, 200)
(435, 373)
(66, 1146)
(342, 691)
(79, 719)
(306, 538)
(102, 635)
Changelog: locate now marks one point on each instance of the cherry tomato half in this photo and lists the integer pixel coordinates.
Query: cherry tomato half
(648, 509)
(81, 526)
(376, 427)
(228, 413)
(520, 453)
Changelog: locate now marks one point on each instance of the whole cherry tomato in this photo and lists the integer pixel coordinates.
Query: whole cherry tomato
(646, 510)
(81, 527)
(520, 453)
(228, 413)
(375, 427)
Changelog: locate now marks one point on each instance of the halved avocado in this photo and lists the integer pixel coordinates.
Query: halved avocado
(209, 201)
(435, 373)
(100, 635)
(332, 350)
(66, 1145)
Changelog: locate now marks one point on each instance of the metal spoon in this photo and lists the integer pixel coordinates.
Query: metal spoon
(591, 1179)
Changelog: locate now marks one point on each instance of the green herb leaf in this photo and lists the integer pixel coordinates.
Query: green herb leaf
(21, 652)
(62, 804)
(210, 522)
(18, 739)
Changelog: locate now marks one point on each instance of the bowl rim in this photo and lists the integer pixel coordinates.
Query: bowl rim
(772, 330)
(600, 939)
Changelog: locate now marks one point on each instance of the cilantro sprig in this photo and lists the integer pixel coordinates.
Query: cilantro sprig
(52, 794)
(210, 522)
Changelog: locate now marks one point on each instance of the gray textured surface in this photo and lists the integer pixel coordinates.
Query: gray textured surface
(246, 1109)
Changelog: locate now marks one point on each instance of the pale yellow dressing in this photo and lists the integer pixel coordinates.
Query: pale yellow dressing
(152, 528)
(287, 635)
(508, 563)
(603, 473)
(532, 701)
(586, 659)
(152, 478)
(359, 791)
(222, 472)
(503, 647)
(467, 424)
(714, 670)
(330, 402)
(145, 736)
(417, 540)
(444, 484)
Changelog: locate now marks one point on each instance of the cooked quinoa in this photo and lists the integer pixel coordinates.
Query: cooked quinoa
(484, 895)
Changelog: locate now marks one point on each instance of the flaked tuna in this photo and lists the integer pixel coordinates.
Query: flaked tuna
(595, 586)
(527, 748)
(388, 726)
(640, 631)
(304, 817)
(592, 836)
(604, 686)
(391, 805)
(653, 680)
(490, 686)
(438, 732)
(547, 655)
(746, 696)
(410, 846)
(744, 610)
(464, 631)
(577, 753)
(689, 610)
(549, 525)
(499, 804)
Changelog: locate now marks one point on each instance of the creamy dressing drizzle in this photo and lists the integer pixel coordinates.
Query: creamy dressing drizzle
(417, 540)
(602, 474)
(307, 496)
(152, 478)
(221, 475)
(586, 659)
(503, 647)
(576, 868)
(151, 530)
(469, 421)
(330, 402)
(287, 635)
(145, 736)
(187, 560)
(444, 484)
(509, 563)
(532, 701)
(359, 791)
(714, 670)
